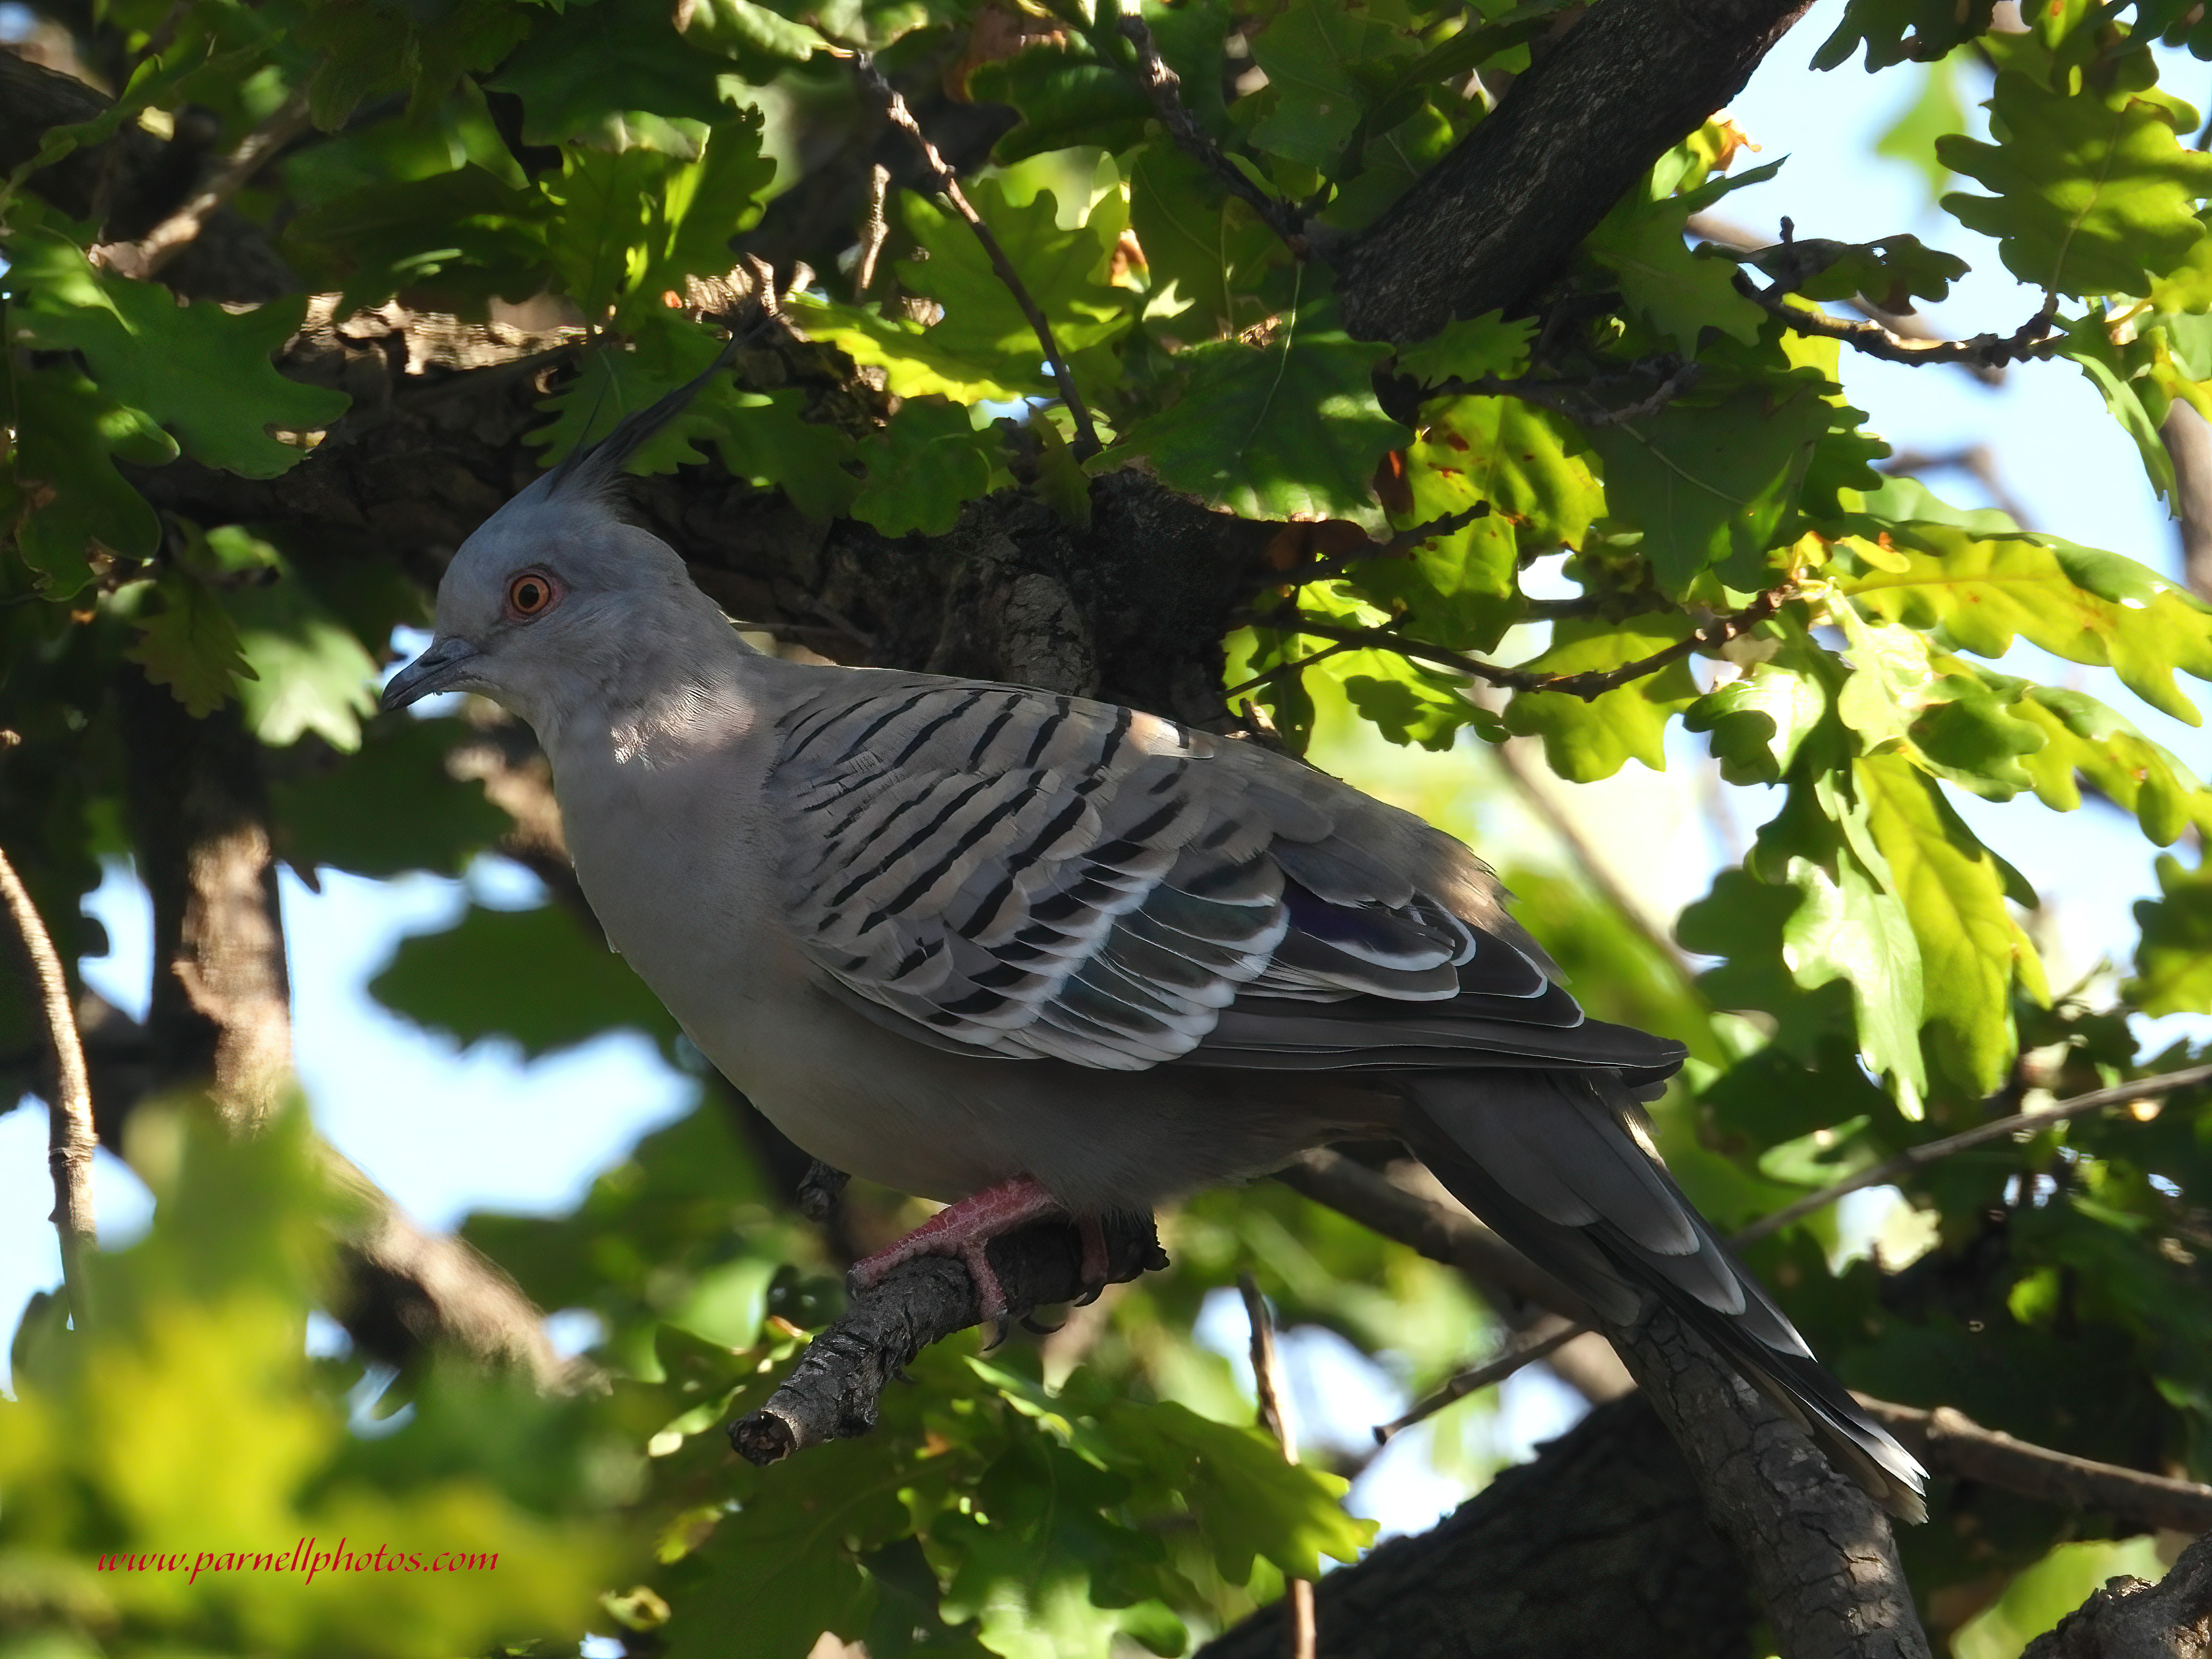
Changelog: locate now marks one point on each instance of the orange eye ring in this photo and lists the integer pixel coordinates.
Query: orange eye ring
(531, 594)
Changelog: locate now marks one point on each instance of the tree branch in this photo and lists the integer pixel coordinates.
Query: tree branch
(1600, 1545)
(832, 1393)
(1588, 684)
(2128, 1618)
(1819, 1549)
(1267, 1385)
(1984, 350)
(1950, 1442)
(1500, 215)
(70, 1142)
(1947, 1441)
(1931, 1151)
(1165, 88)
(1086, 442)
(153, 254)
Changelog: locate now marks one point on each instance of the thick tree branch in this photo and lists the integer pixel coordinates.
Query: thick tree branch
(1600, 1545)
(2129, 1618)
(71, 1140)
(832, 1393)
(1819, 1549)
(1498, 216)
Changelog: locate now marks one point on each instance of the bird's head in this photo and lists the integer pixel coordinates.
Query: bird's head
(555, 593)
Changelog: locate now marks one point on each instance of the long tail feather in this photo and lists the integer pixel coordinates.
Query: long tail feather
(1560, 1163)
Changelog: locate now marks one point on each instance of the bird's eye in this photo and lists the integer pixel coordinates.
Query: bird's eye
(530, 593)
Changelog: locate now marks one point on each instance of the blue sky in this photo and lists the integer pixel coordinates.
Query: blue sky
(447, 1132)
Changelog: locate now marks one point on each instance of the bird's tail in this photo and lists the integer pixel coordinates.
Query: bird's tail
(1561, 1163)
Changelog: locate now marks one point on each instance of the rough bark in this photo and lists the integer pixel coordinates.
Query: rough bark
(221, 1007)
(1496, 218)
(1820, 1551)
(832, 1393)
(2129, 1618)
(1600, 1545)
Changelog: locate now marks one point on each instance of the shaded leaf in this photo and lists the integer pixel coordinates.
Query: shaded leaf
(1291, 429)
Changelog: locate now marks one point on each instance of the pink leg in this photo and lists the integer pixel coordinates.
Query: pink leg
(962, 1230)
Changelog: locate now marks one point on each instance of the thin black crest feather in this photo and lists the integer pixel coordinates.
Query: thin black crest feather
(590, 471)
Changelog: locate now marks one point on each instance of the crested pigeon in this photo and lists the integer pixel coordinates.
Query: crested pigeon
(1035, 955)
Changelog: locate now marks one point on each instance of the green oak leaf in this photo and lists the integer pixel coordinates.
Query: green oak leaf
(391, 807)
(1900, 31)
(1584, 741)
(2087, 606)
(202, 371)
(1526, 464)
(2082, 735)
(1706, 482)
(1758, 721)
(2173, 960)
(1890, 273)
(1849, 923)
(1064, 273)
(599, 66)
(923, 467)
(530, 977)
(1679, 293)
(68, 432)
(1469, 348)
(1206, 248)
(1289, 429)
(1955, 891)
(1069, 96)
(2093, 191)
(1324, 61)
(1249, 1502)
(467, 234)
(189, 644)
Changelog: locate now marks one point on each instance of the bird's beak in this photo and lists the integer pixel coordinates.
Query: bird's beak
(441, 668)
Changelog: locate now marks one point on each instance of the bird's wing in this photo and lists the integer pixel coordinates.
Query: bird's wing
(1000, 871)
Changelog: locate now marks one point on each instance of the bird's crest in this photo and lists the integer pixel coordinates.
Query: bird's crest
(587, 473)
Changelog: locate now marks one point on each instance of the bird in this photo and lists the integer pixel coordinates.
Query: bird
(1036, 955)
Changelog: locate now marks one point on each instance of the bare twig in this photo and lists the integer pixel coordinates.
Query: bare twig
(1165, 88)
(1267, 1383)
(1086, 433)
(151, 254)
(1588, 684)
(1552, 395)
(1931, 1151)
(1905, 324)
(1950, 1442)
(1541, 1340)
(2032, 339)
(873, 231)
(72, 1140)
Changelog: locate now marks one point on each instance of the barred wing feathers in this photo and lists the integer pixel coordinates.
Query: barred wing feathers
(1030, 876)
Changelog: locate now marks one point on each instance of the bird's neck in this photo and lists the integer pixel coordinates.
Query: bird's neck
(667, 695)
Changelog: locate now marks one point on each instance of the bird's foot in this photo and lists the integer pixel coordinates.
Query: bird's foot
(1097, 1268)
(961, 1231)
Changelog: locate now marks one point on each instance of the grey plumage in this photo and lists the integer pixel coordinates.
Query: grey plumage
(950, 935)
